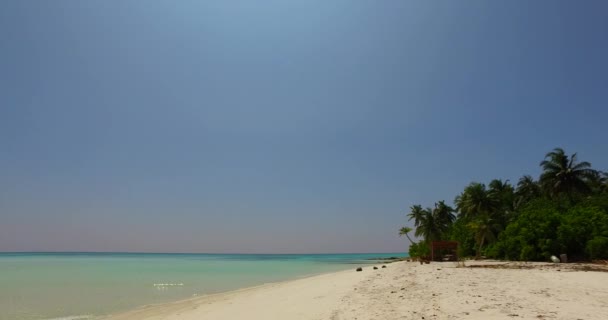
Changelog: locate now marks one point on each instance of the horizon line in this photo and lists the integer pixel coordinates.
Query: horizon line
(149, 252)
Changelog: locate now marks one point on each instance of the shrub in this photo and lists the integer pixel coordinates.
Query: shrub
(597, 248)
(545, 228)
(418, 250)
(466, 239)
(531, 236)
(580, 225)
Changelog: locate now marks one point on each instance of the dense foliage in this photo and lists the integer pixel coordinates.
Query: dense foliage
(565, 211)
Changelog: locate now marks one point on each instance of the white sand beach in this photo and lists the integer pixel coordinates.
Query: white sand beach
(407, 290)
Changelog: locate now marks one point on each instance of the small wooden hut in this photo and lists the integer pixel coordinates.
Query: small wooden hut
(444, 250)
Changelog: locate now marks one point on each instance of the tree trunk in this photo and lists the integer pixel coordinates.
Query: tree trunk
(478, 254)
(408, 238)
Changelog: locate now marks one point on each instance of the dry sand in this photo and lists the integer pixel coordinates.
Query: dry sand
(407, 290)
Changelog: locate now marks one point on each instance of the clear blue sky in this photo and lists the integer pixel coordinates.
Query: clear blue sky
(280, 126)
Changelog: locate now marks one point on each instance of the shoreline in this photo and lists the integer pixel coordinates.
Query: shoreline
(108, 284)
(202, 297)
(368, 263)
(404, 290)
(213, 297)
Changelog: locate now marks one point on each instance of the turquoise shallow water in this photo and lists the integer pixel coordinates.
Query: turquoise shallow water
(73, 286)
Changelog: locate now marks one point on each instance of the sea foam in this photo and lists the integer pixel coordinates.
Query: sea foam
(168, 284)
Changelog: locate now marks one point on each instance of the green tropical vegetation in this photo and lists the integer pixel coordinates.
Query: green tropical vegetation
(564, 211)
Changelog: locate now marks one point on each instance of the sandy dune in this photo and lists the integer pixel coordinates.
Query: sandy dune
(407, 290)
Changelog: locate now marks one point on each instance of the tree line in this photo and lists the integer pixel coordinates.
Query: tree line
(565, 211)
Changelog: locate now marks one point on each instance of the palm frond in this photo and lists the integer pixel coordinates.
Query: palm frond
(581, 165)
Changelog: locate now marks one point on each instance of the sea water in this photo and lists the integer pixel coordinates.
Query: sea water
(75, 286)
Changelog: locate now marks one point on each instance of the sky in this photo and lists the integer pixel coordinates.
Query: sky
(280, 126)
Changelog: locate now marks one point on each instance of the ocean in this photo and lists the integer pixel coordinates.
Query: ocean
(77, 286)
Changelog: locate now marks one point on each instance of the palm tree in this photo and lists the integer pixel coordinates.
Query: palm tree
(476, 200)
(434, 223)
(563, 174)
(501, 191)
(429, 228)
(598, 182)
(504, 196)
(498, 186)
(444, 214)
(416, 214)
(527, 189)
(404, 232)
(483, 227)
